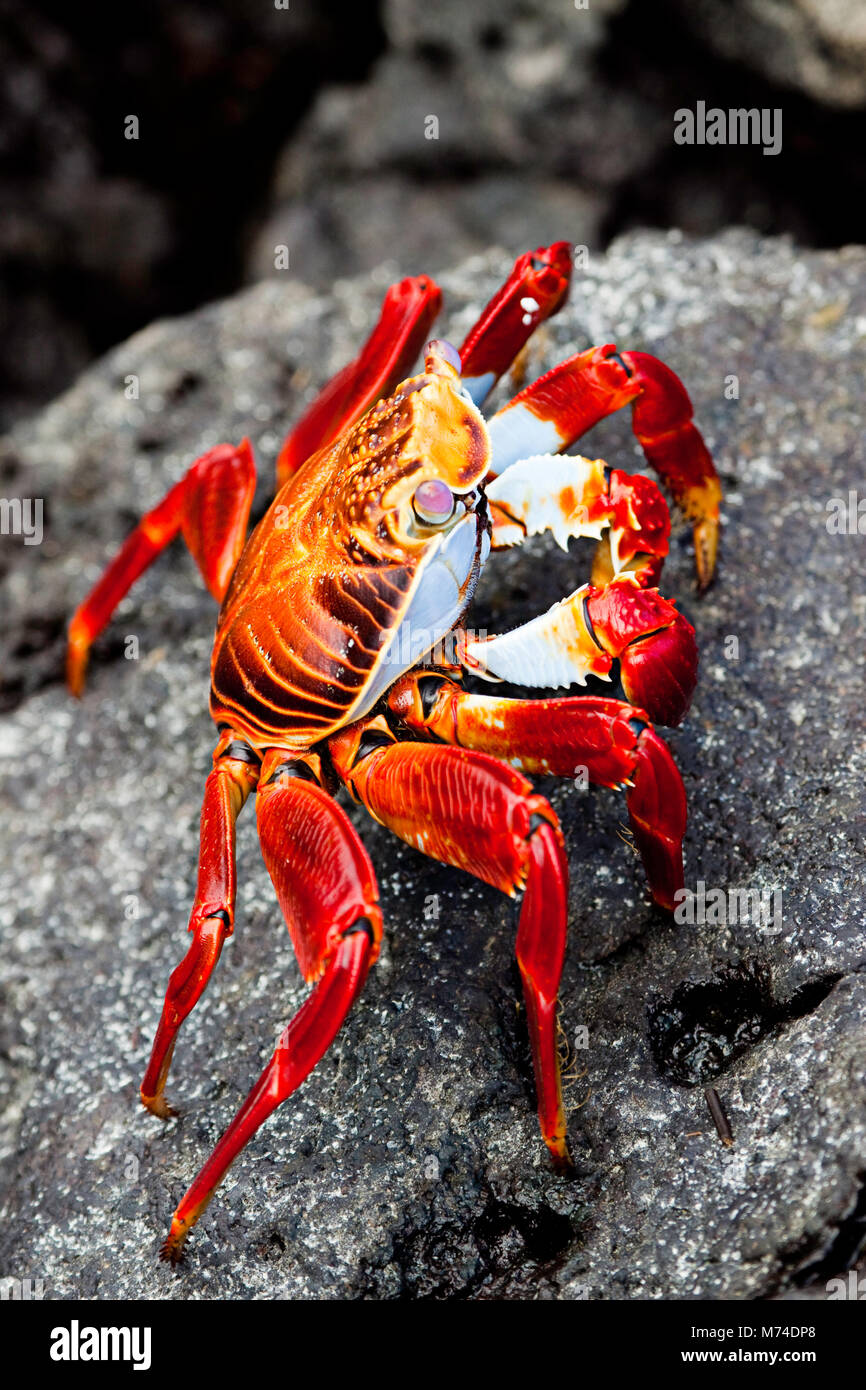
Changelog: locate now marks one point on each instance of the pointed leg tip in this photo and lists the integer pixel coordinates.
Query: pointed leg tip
(75, 666)
(171, 1251)
(703, 580)
(560, 1157)
(159, 1106)
(706, 539)
(78, 640)
(563, 1165)
(663, 900)
(665, 871)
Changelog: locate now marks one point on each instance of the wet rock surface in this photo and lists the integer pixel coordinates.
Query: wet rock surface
(410, 1164)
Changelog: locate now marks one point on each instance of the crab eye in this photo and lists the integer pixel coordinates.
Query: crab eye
(443, 348)
(433, 502)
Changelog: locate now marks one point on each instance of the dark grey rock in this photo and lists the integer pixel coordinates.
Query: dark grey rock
(410, 1164)
(814, 46)
(101, 233)
(519, 102)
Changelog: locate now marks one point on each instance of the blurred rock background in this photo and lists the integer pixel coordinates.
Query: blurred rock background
(308, 127)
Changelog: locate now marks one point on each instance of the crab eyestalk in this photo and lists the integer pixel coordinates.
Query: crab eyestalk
(655, 644)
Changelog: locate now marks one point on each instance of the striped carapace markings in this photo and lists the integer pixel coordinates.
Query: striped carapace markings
(327, 576)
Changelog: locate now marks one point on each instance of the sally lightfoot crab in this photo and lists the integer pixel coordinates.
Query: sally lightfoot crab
(328, 668)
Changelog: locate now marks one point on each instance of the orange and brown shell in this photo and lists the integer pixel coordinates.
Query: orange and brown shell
(332, 569)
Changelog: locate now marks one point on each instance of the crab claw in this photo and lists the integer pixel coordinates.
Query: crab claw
(655, 644)
(641, 524)
(660, 671)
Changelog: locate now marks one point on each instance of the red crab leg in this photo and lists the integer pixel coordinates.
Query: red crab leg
(572, 496)
(534, 291)
(476, 813)
(408, 311)
(613, 743)
(210, 506)
(327, 891)
(234, 776)
(549, 415)
(585, 633)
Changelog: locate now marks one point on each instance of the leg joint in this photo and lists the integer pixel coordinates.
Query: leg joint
(615, 357)
(240, 751)
(293, 769)
(364, 925)
(369, 741)
(429, 688)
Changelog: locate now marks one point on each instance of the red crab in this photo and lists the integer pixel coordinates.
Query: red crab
(327, 667)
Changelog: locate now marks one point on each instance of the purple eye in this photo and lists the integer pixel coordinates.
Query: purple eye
(440, 350)
(433, 502)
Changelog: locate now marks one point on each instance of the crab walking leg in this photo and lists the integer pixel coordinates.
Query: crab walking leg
(572, 496)
(234, 776)
(407, 314)
(554, 411)
(301, 1046)
(476, 813)
(611, 742)
(210, 507)
(327, 891)
(535, 290)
